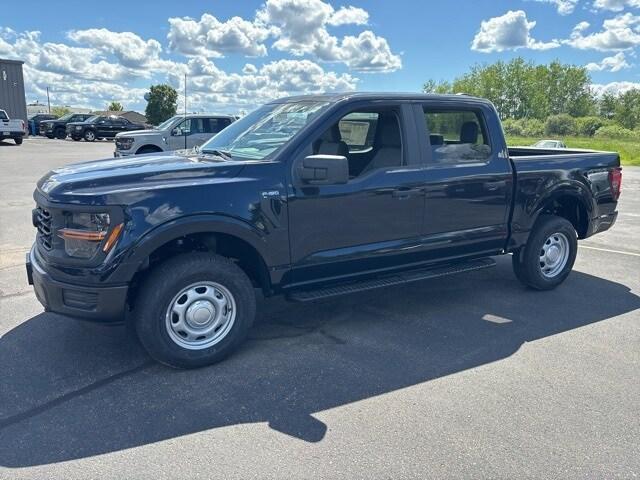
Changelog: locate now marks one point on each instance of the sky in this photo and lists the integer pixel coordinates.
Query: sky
(240, 54)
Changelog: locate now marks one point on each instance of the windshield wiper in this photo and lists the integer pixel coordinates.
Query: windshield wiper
(220, 153)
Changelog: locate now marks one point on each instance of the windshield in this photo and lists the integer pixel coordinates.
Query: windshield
(66, 117)
(264, 131)
(164, 125)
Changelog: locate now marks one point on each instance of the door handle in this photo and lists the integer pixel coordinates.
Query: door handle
(405, 193)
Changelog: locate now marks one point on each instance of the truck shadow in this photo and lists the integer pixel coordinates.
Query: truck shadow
(71, 390)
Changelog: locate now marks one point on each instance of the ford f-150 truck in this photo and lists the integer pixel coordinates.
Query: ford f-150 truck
(14, 129)
(179, 132)
(309, 197)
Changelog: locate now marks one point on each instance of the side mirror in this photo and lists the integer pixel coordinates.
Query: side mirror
(176, 132)
(324, 170)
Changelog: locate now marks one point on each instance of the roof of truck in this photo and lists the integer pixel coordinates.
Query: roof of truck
(335, 97)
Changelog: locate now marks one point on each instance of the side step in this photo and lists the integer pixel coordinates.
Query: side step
(390, 280)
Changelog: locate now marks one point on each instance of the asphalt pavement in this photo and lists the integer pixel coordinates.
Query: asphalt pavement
(468, 376)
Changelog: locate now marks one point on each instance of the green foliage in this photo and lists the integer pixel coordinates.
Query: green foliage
(511, 126)
(561, 124)
(60, 111)
(627, 109)
(521, 89)
(588, 126)
(162, 103)
(532, 127)
(616, 131)
(114, 107)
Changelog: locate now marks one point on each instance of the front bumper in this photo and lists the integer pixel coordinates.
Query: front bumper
(98, 304)
(123, 153)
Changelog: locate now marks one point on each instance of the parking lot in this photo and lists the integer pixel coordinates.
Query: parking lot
(463, 376)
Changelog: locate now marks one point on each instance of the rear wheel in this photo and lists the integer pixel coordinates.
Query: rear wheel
(548, 257)
(194, 310)
(89, 136)
(60, 134)
(18, 141)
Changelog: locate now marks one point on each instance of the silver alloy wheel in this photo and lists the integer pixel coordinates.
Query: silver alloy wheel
(89, 136)
(554, 254)
(201, 315)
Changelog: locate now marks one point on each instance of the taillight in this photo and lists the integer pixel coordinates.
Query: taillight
(615, 181)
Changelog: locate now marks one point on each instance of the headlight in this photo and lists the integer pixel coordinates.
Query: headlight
(78, 127)
(86, 232)
(124, 143)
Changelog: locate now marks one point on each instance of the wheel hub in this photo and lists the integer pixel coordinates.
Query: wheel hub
(200, 313)
(554, 255)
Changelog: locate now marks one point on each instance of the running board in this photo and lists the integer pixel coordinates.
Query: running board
(390, 280)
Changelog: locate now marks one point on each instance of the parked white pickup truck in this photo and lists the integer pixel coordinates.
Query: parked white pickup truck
(15, 129)
(177, 133)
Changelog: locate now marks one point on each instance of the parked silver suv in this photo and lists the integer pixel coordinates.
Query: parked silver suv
(176, 133)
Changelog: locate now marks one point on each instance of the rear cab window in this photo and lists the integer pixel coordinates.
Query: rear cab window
(457, 136)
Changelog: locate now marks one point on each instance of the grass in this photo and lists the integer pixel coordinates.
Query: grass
(629, 150)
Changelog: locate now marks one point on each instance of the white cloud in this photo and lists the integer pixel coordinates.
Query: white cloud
(564, 7)
(613, 87)
(208, 84)
(615, 5)
(610, 64)
(349, 16)
(508, 32)
(619, 33)
(301, 27)
(213, 38)
(130, 50)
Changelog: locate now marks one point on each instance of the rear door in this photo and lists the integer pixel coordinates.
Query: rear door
(468, 180)
(373, 222)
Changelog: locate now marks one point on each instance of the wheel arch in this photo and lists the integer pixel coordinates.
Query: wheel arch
(150, 147)
(569, 202)
(228, 237)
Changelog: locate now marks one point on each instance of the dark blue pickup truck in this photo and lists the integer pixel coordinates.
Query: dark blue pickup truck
(309, 197)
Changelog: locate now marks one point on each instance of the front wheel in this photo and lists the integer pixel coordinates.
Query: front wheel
(194, 310)
(18, 141)
(548, 257)
(61, 134)
(89, 136)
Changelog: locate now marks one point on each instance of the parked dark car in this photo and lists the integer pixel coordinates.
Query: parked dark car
(58, 128)
(310, 197)
(99, 127)
(35, 120)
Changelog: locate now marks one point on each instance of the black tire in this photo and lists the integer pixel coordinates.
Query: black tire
(527, 264)
(76, 139)
(49, 136)
(18, 141)
(89, 136)
(164, 284)
(60, 133)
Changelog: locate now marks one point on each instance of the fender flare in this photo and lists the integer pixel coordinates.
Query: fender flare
(140, 250)
(576, 190)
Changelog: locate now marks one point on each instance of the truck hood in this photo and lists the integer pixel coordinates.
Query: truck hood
(140, 133)
(74, 183)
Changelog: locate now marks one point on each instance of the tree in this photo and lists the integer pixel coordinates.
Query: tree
(607, 105)
(162, 103)
(114, 107)
(627, 111)
(521, 89)
(60, 111)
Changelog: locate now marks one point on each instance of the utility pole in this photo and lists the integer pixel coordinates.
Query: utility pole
(48, 101)
(185, 110)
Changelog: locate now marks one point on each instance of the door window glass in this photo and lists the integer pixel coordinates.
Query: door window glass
(457, 136)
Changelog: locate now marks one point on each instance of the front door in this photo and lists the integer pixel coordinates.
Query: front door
(371, 223)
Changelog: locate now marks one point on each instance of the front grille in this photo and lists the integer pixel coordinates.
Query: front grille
(42, 222)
